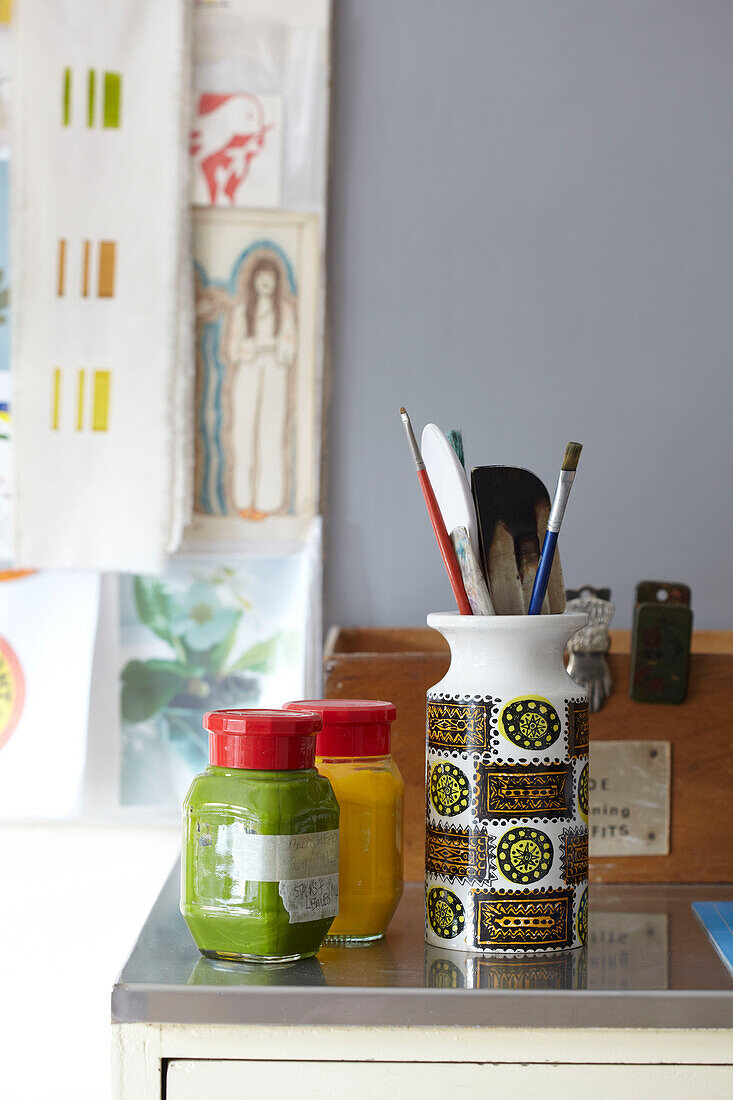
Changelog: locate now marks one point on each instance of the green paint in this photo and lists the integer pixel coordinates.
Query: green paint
(91, 80)
(455, 438)
(66, 101)
(227, 918)
(112, 100)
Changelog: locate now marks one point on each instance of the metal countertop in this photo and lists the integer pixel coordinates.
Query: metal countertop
(648, 963)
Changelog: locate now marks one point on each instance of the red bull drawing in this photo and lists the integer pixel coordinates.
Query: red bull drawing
(236, 146)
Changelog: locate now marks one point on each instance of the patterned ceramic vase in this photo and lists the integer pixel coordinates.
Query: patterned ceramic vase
(506, 861)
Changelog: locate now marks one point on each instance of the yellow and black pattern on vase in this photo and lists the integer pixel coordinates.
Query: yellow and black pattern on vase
(459, 855)
(506, 823)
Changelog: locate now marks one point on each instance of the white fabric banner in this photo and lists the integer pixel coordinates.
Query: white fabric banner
(101, 310)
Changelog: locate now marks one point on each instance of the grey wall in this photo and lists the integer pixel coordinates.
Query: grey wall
(530, 239)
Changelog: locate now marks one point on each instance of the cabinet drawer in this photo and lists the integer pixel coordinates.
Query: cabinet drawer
(193, 1079)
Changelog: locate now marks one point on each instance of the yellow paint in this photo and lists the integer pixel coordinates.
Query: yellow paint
(66, 98)
(6, 11)
(80, 401)
(106, 277)
(370, 793)
(112, 108)
(56, 399)
(100, 403)
(61, 275)
(91, 83)
(85, 269)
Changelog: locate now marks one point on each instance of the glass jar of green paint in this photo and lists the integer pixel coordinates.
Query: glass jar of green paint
(259, 880)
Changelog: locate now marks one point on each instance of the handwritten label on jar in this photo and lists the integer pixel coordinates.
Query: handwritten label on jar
(311, 898)
(629, 785)
(258, 858)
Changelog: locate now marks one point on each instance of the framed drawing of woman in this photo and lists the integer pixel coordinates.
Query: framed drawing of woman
(260, 344)
(256, 315)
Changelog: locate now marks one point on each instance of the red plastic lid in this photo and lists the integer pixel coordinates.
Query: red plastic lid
(272, 740)
(351, 727)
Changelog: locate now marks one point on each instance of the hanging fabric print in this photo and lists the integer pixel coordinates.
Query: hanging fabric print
(4, 265)
(100, 236)
(6, 477)
(256, 292)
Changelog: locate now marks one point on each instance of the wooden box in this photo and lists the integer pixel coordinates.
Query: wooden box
(400, 664)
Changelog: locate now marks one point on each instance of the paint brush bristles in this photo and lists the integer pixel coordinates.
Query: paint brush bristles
(436, 518)
(559, 503)
(572, 456)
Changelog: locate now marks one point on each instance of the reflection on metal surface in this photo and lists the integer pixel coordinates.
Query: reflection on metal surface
(463, 970)
(643, 939)
(356, 965)
(569, 971)
(216, 972)
(625, 951)
(629, 798)
(628, 951)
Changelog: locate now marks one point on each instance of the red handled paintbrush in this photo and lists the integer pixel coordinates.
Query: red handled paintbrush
(446, 547)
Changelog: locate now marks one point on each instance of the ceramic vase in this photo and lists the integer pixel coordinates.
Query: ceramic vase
(506, 861)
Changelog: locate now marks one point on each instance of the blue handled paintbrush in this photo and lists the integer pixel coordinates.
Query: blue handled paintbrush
(559, 503)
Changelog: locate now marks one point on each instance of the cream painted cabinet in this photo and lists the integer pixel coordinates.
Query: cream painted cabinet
(197, 1080)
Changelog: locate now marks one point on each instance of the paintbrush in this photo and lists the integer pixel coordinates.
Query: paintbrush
(444, 543)
(559, 504)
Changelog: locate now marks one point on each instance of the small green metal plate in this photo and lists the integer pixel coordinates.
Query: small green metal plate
(664, 592)
(660, 653)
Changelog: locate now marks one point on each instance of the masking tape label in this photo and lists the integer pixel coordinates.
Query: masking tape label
(311, 898)
(257, 858)
(229, 859)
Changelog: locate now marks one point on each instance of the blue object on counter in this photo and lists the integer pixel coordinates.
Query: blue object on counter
(716, 918)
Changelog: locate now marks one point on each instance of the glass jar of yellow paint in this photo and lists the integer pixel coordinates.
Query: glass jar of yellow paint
(353, 751)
